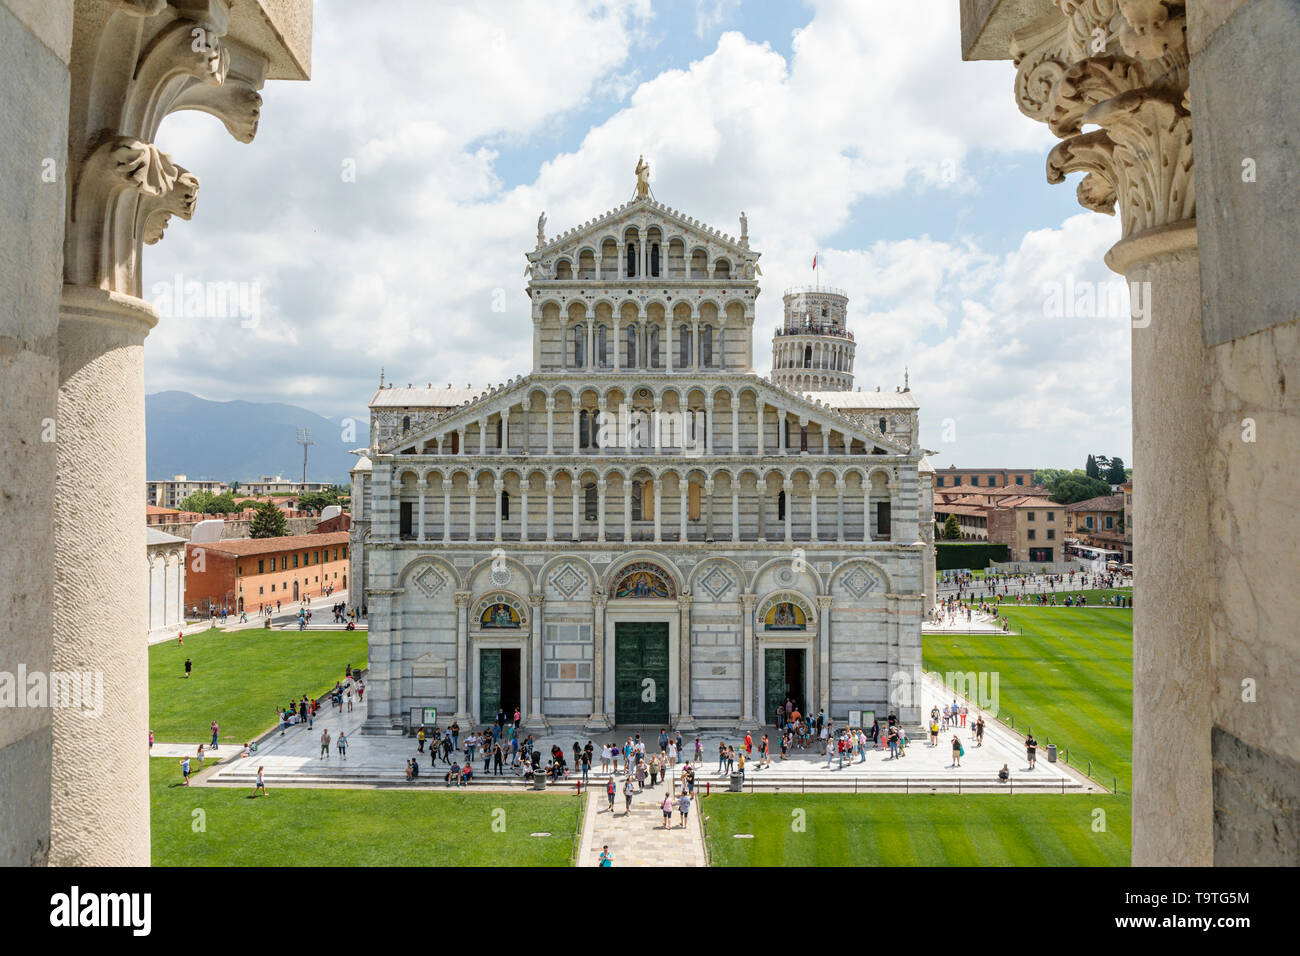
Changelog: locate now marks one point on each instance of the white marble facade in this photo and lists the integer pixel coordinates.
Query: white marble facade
(166, 590)
(641, 474)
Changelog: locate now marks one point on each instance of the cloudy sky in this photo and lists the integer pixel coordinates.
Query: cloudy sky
(847, 128)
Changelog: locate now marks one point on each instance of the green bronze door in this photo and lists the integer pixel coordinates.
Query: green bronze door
(489, 683)
(641, 673)
(773, 681)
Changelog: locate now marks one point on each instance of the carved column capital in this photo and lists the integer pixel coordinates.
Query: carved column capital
(463, 598)
(1120, 66)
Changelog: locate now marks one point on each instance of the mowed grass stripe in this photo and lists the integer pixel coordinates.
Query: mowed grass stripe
(335, 827)
(917, 830)
(1068, 676)
(241, 677)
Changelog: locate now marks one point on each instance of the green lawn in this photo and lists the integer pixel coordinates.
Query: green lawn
(894, 829)
(299, 827)
(241, 677)
(1068, 676)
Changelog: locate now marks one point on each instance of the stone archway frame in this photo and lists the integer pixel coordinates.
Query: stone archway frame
(786, 596)
(664, 610)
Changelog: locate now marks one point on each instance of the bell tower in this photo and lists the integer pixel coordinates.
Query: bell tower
(812, 351)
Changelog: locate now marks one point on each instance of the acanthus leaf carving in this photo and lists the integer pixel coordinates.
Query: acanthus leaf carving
(1120, 65)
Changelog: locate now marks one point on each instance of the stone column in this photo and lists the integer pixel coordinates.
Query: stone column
(627, 509)
(708, 509)
(684, 720)
(812, 533)
(482, 436)
(505, 430)
(535, 721)
(420, 505)
(747, 602)
(760, 406)
(462, 715)
(708, 426)
(681, 497)
(575, 482)
(600, 717)
(789, 510)
(600, 509)
(446, 512)
(472, 488)
(498, 486)
(577, 412)
(523, 510)
(839, 510)
(550, 510)
(824, 604)
(99, 581)
(550, 426)
(617, 360)
(735, 425)
(735, 510)
(658, 486)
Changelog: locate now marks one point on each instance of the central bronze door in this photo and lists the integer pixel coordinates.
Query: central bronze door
(641, 673)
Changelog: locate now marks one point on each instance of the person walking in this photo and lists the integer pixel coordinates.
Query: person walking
(606, 858)
(260, 785)
(667, 808)
(957, 751)
(342, 745)
(684, 806)
(627, 796)
(1031, 750)
(324, 744)
(215, 733)
(609, 793)
(189, 666)
(185, 770)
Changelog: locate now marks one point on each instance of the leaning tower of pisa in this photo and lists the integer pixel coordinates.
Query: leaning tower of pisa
(812, 351)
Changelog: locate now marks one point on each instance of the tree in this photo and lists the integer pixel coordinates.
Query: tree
(1091, 469)
(268, 522)
(952, 529)
(1116, 473)
(222, 504)
(319, 500)
(1072, 488)
(198, 501)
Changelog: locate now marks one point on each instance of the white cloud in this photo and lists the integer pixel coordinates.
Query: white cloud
(403, 267)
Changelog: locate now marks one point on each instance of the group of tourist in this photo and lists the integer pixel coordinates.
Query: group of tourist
(681, 803)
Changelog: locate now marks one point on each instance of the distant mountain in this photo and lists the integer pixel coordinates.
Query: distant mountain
(240, 441)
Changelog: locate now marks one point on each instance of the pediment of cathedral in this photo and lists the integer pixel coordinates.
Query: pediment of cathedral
(642, 213)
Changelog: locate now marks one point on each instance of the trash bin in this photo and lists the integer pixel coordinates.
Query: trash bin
(1051, 753)
(737, 782)
(539, 780)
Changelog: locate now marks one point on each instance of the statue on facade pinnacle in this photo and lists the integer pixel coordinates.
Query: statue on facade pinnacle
(642, 177)
(744, 228)
(541, 229)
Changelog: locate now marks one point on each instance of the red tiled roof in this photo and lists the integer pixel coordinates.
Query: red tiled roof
(292, 542)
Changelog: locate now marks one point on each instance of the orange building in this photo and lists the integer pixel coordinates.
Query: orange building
(246, 573)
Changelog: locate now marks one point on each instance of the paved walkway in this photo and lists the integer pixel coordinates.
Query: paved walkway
(295, 760)
(638, 837)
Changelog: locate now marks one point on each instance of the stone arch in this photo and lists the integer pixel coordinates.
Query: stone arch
(858, 587)
(515, 573)
(787, 582)
(618, 568)
(558, 578)
(412, 570)
(772, 602)
(705, 582)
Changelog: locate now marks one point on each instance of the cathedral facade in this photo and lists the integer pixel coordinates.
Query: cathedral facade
(641, 530)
